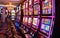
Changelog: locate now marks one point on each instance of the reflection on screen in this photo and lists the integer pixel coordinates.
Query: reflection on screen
(45, 26)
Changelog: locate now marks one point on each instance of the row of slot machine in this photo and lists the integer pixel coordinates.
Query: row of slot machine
(39, 15)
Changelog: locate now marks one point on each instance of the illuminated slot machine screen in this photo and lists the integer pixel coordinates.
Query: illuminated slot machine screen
(45, 25)
(36, 9)
(36, 1)
(26, 4)
(29, 21)
(30, 2)
(30, 7)
(23, 19)
(26, 20)
(30, 11)
(24, 9)
(35, 23)
(47, 7)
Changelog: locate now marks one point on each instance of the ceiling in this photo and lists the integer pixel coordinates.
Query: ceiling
(14, 2)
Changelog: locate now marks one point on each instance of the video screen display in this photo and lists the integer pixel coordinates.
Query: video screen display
(26, 4)
(30, 2)
(36, 1)
(29, 21)
(47, 7)
(35, 23)
(36, 9)
(23, 20)
(23, 5)
(45, 25)
(30, 11)
(26, 19)
(26, 12)
(24, 9)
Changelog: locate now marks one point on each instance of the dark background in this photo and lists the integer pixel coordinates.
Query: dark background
(56, 31)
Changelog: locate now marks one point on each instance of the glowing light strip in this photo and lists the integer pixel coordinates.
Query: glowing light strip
(7, 5)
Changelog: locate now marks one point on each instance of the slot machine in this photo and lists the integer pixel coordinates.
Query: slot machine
(24, 13)
(30, 7)
(36, 14)
(34, 27)
(47, 18)
(35, 7)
